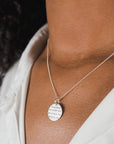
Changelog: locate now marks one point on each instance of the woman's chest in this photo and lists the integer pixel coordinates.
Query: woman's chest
(78, 105)
(40, 129)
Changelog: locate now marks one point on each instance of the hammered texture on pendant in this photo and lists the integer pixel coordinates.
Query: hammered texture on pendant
(55, 112)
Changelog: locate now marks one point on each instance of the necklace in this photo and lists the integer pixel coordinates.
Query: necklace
(55, 111)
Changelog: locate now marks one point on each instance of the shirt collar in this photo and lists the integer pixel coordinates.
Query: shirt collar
(33, 50)
(98, 123)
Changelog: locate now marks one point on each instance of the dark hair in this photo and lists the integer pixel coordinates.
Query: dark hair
(19, 20)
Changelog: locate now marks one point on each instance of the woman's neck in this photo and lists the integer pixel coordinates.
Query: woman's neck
(80, 30)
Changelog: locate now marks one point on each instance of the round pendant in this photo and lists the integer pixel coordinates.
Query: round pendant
(55, 112)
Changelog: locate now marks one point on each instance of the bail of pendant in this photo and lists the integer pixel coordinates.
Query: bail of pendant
(56, 101)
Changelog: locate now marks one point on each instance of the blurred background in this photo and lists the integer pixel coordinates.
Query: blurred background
(19, 20)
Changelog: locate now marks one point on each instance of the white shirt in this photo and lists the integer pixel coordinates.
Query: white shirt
(97, 129)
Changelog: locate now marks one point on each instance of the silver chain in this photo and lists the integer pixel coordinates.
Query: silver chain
(75, 85)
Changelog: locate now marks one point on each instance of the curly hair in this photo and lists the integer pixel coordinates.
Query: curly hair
(19, 20)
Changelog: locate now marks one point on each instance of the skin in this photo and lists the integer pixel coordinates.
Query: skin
(81, 35)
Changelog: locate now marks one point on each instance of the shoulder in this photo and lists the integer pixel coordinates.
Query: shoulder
(8, 80)
(20, 71)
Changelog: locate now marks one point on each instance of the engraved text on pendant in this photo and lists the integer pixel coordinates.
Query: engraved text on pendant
(55, 112)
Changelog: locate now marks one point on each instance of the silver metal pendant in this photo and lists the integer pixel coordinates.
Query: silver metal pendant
(55, 112)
